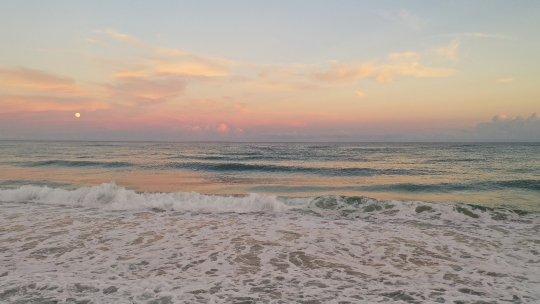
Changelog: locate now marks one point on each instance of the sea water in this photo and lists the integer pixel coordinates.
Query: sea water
(89, 222)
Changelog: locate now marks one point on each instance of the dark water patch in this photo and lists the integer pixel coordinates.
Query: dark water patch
(6, 294)
(110, 289)
(467, 212)
(499, 216)
(355, 201)
(419, 188)
(471, 292)
(481, 208)
(421, 209)
(332, 202)
(454, 160)
(372, 207)
(527, 184)
(337, 202)
(162, 300)
(83, 288)
(400, 296)
(204, 157)
(326, 202)
(353, 204)
(398, 188)
(520, 212)
(234, 158)
(73, 164)
(232, 167)
(296, 189)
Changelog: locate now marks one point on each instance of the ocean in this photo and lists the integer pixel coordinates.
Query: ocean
(147, 222)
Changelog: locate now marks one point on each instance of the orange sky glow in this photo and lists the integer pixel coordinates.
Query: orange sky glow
(124, 83)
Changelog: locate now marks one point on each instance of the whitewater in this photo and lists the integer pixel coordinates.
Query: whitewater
(106, 244)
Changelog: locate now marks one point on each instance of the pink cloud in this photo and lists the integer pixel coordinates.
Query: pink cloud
(150, 90)
(223, 128)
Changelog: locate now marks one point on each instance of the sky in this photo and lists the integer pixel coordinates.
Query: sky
(270, 70)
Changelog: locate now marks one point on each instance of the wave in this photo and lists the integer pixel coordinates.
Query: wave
(528, 184)
(454, 160)
(23, 182)
(109, 196)
(74, 163)
(112, 197)
(520, 184)
(267, 168)
(228, 167)
(445, 187)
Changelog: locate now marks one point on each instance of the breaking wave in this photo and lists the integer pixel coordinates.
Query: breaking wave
(109, 196)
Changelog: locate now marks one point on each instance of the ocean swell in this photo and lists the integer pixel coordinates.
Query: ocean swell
(73, 163)
(226, 167)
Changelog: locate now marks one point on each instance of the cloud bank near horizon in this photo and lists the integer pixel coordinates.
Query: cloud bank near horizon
(502, 128)
(499, 129)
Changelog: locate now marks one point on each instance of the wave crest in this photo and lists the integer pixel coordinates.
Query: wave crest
(110, 196)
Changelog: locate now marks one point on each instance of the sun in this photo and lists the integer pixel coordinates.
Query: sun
(77, 115)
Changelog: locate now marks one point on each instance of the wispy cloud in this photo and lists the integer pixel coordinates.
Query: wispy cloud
(404, 18)
(141, 76)
(360, 94)
(383, 75)
(147, 74)
(482, 35)
(449, 52)
(405, 64)
(39, 81)
(503, 80)
(165, 62)
(340, 72)
(149, 90)
(36, 103)
(169, 61)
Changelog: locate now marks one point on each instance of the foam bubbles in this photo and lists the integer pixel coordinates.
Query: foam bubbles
(368, 251)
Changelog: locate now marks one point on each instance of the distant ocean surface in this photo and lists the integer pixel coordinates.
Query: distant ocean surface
(100, 222)
(492, 174)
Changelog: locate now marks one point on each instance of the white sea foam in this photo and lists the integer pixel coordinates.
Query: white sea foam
(339, 253)
(109, 196)
(112, 197)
